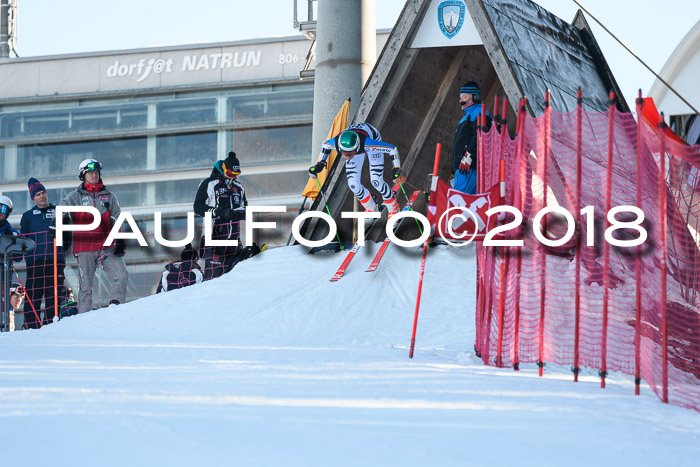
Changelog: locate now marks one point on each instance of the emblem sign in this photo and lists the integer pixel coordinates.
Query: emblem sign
(451, 17)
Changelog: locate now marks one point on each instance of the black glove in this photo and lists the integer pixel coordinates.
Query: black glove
(120, 247)
(396, 172)
(227, 214)
(316, 169)
(52, 230)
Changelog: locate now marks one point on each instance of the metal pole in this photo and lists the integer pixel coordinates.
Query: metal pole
(4, 29)
(606, 245)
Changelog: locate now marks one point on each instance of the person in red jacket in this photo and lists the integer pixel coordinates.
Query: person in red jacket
(88, 246)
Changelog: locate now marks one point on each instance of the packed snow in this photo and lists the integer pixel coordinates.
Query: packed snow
(273, 365)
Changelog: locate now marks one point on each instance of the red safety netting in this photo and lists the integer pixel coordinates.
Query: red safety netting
(145, 267)
(628, 309)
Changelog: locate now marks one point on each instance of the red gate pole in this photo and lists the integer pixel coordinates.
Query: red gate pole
(638, 258)
(520, 138)
(433, 187)
(545, 159)
(502, 250)
(577, 298)
(606, 246)
(662, 211)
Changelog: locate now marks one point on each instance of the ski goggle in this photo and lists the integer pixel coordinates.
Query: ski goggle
(93, 166)
(4, 208)
(232, 172)
(17, 289)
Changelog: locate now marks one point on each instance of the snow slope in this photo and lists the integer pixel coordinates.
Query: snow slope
(273, 365)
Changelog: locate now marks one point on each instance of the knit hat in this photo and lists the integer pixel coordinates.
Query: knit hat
(231, 162)
(35, 187)
(470, 87)
(188, 254)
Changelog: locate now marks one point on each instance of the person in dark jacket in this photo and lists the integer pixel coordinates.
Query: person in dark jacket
(224, 196)
(35, 225)
(464, 149)
(181, 273)
(88, 246)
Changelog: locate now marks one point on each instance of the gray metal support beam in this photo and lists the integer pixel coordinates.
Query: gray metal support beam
(346, 50)
(4, 29)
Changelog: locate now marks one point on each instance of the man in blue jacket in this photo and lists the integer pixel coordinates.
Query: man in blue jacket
(40, 279)
(464, 148)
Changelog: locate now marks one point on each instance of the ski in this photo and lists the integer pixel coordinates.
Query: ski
(351, 254)
(385, 244)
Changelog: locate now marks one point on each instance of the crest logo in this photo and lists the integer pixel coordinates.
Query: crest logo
(451, 17)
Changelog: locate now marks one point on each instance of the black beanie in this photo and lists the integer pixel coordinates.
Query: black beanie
(232, 163)
(470, 87)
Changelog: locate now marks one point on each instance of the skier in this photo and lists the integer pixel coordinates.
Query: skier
(88, 246)
(223, 196)
(181, 273)
(5, 211)
(356, 143)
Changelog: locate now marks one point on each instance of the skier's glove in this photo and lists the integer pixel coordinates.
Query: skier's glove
(466, 163)
(397, 175)
(316, 169)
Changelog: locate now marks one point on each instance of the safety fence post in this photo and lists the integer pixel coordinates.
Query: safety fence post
(543, 261)
(503, 254)
(663, 225)
(577, 297)
(606, 245)
(522, 179)
(638, 256)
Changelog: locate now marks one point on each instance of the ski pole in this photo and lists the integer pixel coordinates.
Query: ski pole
(301, 208)
(411, 208)
(320, 191)
(26, 294)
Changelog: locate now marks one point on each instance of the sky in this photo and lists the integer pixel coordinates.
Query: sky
(45, 27)
(259, 368)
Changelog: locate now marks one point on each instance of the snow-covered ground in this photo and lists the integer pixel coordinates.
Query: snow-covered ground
(274, 365)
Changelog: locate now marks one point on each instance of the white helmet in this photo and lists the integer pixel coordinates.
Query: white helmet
(5, 201)
(88, 165)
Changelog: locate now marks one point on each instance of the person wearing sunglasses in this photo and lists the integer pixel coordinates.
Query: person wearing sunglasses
(5, 211)
(464, 156)
(224, 196)
(88, 246)
(35, 225)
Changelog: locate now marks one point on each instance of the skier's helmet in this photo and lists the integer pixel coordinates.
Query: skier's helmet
(87, 165)
(6, 205)
(349, 141)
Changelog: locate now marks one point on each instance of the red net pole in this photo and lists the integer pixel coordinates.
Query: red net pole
(606, 245)
(521, 205)
(480, 287)
(543, 262)
(577, 297)
(662, 223)
(503, 256)
(55, 282)
(638, 258)
(433, 187)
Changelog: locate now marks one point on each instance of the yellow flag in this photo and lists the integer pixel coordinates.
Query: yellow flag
(340, 122)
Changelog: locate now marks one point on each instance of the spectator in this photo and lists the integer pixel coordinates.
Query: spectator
(464, 149)
(224, 196)
(5, 211)
(181, 273)
(355, 144)
(16, 298)
(68, 307)
(35, 225)
(88, 246)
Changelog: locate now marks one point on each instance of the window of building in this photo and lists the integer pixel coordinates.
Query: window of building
(185, 151)
(272, 145)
